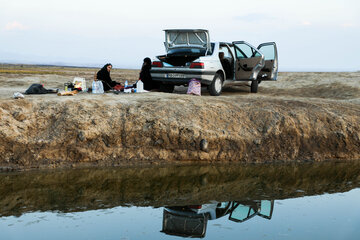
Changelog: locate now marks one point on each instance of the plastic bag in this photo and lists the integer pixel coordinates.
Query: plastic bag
(97, 87)
(194, 87)
(80, 83)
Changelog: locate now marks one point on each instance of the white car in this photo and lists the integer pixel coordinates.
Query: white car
(190, 54)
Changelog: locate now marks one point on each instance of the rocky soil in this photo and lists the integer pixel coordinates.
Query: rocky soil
(300, 117)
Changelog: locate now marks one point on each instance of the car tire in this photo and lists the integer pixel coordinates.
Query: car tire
(168, 88)
(254, 86)
(215, 87)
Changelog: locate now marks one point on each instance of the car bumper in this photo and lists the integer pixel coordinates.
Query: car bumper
(182, 77)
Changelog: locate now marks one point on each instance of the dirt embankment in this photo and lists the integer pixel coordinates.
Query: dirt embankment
(302, 116)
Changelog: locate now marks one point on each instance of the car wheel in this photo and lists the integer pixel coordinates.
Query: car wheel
(254, 86)
(168, 88)
(215, 87)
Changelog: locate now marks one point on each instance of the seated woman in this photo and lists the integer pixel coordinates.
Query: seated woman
(104, 75)
(145, 76)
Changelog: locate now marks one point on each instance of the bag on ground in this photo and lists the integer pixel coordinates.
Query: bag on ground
(194, 87)
(80, 83)
(38, 89)
(97, 87)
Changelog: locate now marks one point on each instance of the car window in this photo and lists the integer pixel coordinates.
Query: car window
(245, 51)
(212, 48)
(239, 53)
(268, 51)
(182, 51)
(226, 51)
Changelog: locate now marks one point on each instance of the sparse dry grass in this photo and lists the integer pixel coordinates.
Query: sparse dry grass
(23, 71)
(17, 75)
(60, 70)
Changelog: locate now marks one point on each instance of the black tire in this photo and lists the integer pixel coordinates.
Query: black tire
(168, 88)
(215, 87)
(254, 86)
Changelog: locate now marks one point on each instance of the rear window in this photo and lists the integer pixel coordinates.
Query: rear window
(190, 51)
(186, 51)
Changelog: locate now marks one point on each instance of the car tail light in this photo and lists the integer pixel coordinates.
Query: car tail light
(157, 64)
(195, 206)
(197, 65)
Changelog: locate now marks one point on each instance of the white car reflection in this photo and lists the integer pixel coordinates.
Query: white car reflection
(191, 220)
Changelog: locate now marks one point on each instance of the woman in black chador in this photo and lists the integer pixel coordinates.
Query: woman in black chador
(104, 75)
(145, 76)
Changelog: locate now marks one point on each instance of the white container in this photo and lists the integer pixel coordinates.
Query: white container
(139, 86)
(97, 87)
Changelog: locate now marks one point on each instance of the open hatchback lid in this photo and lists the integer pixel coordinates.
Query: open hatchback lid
(187, 38)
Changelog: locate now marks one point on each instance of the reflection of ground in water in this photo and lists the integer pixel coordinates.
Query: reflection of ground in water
(275, 200)
(102, 188)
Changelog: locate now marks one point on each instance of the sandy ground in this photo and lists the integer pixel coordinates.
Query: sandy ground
(301, 116)
(321, 85)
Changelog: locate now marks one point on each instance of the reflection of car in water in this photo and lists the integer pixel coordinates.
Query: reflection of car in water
(191, 221)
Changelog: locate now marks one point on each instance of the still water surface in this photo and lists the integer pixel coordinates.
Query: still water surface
(311, 201)
(328, 216)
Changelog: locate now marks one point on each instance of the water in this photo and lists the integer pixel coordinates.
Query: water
(301, 201)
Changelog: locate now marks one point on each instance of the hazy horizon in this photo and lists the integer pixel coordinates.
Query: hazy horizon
(310, 35)
(138, 68)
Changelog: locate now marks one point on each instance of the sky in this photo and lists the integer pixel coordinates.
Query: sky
(311, 35)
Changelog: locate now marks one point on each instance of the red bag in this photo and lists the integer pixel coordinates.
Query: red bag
(118, 87)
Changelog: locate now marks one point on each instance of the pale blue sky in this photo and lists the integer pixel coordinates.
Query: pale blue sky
(311, 35)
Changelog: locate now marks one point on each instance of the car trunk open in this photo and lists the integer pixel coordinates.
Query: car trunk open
(181, 57)
(183, 46)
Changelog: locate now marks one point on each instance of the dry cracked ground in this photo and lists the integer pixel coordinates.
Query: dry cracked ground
(301, 117)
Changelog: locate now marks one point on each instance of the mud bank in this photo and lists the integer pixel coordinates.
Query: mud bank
(145, 129)
(280, 123)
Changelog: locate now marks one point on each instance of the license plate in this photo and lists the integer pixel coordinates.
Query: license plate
(174, 75)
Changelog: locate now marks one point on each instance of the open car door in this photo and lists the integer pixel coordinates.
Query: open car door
(270, 70)
(249, 61)
(266, 208)
(241, 212)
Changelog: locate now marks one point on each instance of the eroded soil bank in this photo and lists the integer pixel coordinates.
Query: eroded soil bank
(285, 121)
